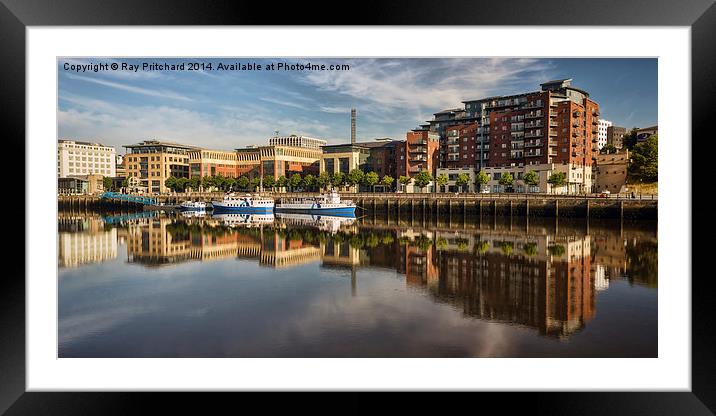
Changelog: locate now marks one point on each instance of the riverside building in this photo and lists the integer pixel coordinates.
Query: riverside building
(75, 158)
(205, 162)
(557, 125)
(154, 161)
(283, 156)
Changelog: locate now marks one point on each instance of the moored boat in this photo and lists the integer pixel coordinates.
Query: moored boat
(248, 204)
(193, 206)
(327, 204)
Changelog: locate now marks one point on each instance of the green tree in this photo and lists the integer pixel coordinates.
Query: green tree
(372, 241)
(481, 179)
(462, 180)
(404, 180)
(422, 179)
(219, 181)
(387, 181)
(531, 179)
(255, 182)
(557, 179)
(282, 181)
(371, 179)
(170, 183)
(608, 149)
(230, 184)
(182, 184)
(194, 183)
(530, 249)
(482, 246)
(323, 180)
(556, 250)
(107, 183)
(644, 161)
(442, 180)
(462, 243)
(506, 179)
(629, 139)
(295, 181)
(269, 182)
(354, 177)
(507, 247)
(441, 243)
(338, 179)
(243, 182)
(308, 181)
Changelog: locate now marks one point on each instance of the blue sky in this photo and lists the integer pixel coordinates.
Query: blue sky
(230, 109)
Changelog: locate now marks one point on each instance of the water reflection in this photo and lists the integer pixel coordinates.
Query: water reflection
(546, 280)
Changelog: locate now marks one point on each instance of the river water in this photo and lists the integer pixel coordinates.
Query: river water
(185, 285)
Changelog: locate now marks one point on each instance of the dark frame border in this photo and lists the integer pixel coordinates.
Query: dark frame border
(700, 15)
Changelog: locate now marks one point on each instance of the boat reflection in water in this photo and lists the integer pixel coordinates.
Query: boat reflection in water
(329, 223)
(244, 220)
(303, 285)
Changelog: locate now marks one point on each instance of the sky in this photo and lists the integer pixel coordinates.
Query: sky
(228, 109)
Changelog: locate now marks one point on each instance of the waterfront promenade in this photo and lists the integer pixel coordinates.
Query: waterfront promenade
(428, 204)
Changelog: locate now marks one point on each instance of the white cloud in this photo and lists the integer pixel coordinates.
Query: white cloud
(427, 86)
(117, 125)
(138, 90)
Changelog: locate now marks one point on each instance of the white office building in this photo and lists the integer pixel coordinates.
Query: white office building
(602, 133)
(297, 141)
(84, 158)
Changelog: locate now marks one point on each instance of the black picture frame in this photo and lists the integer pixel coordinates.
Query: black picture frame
(16, 15)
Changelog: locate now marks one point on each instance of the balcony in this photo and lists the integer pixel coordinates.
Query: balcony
(553, 124)
(552, 143)
(417, 142)
(553, 133)
(534, 114)
(533, 105)
(576, 134)
(420, 149)
(535, 154)
(533, 144)
(552, 154)
(575, 124)
(553, 114)
(533, 124)
(533, 134)
(419, 159)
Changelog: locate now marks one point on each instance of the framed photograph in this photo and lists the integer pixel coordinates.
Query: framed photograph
(358, 208)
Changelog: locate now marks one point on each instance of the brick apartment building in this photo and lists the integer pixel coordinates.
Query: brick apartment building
(557, 125)
(419, 152)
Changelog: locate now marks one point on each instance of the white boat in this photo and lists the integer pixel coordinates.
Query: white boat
(193, 206)
(326, 204)
(246, 204)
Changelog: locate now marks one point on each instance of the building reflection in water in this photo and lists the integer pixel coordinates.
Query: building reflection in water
(543, 280)
(84, 240)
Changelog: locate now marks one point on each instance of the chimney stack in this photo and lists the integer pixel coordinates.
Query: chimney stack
(353, 125)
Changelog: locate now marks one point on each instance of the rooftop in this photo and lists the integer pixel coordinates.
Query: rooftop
(148, 143)
(81, 143)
